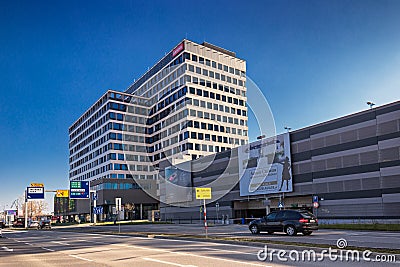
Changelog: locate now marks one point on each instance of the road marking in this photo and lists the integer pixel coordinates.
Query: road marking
(61, 243)
(48, 249)
(8, 249)
(84, 259)
(168, 262)
(232, 251)
(192, 255)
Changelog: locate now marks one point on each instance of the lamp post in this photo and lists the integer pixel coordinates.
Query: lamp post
(217, 209)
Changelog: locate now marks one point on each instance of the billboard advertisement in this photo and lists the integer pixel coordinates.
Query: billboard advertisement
(178, 184)
(265, 166)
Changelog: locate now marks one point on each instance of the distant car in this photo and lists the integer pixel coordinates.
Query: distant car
(19, 222)
(289, 221)
(45, 224)
(33, 224)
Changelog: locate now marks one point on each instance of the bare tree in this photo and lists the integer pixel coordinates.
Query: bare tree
(35, 208)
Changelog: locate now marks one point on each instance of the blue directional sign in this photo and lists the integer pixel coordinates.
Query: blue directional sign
(79, 190)
(315, 198)
(280, 205)
(34, 193)
(98, 210)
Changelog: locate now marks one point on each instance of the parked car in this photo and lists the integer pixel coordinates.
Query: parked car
(33, 224)
(289, 221)
(44, 224)
(19, 222)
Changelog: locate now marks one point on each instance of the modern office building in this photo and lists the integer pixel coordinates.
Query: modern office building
(190, 104)
(351, 164)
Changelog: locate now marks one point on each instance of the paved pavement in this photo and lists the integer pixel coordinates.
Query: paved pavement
(367, 239)
(81, 248)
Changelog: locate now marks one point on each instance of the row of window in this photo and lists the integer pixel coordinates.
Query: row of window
(209, 84)
(88, 113)
(216, 96)
(214, 64)
(117, 185)
(216, 75)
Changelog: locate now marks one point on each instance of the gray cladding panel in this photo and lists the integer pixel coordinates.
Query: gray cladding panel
(367, 132)
(369, 157)
(351, 160)
(349, 136)
(387, 127)
(371, 183)
(391, 181)
(336, 186)
(352, 185)
(332, 140)
(320, 188)
(389, 154)
(334, 163)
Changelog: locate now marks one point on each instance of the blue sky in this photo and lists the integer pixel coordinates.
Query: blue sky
(314, 61)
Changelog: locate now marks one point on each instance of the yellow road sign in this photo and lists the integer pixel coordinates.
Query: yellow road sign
(62, 193)
(37, 185)
(203, 192)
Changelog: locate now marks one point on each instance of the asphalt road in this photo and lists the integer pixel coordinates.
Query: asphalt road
(80, 248)
(368, 239)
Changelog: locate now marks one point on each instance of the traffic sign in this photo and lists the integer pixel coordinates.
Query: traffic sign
(280, 205)
(37, 185)
(315, 198)
(95, 196)
(62, 193)
(79, 190)
(316, 205)
(34, 193)
(98, 210)
(203, 193)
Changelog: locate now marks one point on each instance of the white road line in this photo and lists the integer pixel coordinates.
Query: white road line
(8, 249)
(61, 243)
(84, 259)
(168, 262)
(232, 251)
(52, 250)
(191, 255)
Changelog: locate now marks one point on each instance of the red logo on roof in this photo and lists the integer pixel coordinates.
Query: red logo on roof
(178, 49)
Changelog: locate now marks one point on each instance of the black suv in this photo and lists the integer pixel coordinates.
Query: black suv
(289, 221)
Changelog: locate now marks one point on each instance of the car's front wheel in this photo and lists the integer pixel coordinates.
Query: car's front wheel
(254, 229)
(290, 230)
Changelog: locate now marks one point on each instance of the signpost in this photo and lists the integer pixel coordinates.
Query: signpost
(37, 185)
(118, 206)
(34, 193)
(98, 210)
(204, 193)
(315, 205)
(62, 193)
(79, 190)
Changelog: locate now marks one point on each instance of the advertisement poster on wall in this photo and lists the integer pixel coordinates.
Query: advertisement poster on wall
(265, 166)
(178, 184)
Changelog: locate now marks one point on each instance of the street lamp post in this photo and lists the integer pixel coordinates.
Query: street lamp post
(217, 209)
